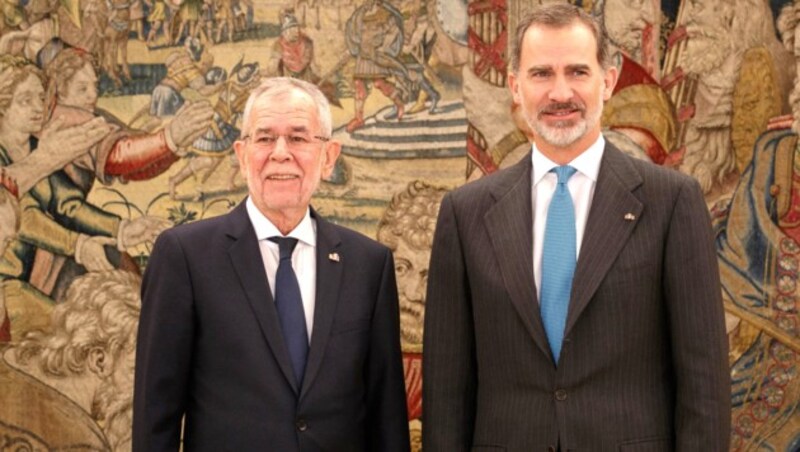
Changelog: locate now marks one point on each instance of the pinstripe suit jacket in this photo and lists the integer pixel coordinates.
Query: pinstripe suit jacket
(644, 360)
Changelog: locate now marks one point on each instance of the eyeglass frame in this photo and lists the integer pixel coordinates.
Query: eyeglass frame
(286, 139)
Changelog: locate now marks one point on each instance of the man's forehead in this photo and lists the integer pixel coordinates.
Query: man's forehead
(285, 109)
(418, 256)
(270, 119)
(539, 47)
(31, 85)
(86, 74)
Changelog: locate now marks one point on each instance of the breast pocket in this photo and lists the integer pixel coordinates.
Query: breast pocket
(647, 445)
(350, 326)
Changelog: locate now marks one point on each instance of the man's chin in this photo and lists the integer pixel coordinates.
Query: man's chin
(561, 136)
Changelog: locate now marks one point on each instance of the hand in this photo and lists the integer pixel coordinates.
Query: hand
(190, 122)
(140, 230)
(59, 145)
(90, 252)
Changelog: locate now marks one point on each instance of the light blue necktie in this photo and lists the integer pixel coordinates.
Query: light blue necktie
(289, 305)
(558, 260)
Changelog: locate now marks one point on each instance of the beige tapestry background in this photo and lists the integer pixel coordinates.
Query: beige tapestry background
(148, 95)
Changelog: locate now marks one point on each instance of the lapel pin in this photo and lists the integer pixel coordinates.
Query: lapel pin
(630, 217)
(334, 257)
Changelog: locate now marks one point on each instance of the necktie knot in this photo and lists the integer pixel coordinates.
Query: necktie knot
(285, 245)
(564, 173)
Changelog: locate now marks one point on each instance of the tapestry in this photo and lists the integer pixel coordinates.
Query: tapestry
(139, 103)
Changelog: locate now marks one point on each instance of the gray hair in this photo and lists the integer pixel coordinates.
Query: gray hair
(411, 216)
(101, 310)
(560, 15)
(275, 86)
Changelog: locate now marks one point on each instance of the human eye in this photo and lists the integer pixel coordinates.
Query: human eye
(539, 73)
(401, 267)
(266, 139)
(299, 139)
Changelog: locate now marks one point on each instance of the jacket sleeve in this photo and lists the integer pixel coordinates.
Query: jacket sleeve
(67, 203)
(449, 363)
(164, 348)
(697, 326)
(386, 396)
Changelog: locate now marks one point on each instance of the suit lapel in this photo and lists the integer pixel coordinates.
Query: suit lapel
(510, 225)
(607, 228)
(246, 260)
(329, 277)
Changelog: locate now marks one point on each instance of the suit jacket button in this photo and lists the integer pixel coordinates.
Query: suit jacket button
(551, 449)
(561, 395)
(301, 425)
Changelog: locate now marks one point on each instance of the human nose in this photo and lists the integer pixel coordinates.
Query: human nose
(415, 287)
(561, 91)
(280, 150)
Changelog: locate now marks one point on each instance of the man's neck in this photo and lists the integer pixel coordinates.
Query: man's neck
(285, 221)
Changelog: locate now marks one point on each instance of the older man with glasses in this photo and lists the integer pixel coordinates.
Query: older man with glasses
(270, 328)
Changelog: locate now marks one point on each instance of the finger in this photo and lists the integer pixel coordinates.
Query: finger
(96, 134)
(105, 240)
(198, 108)
(82, 133)
(102, 264)
(53, 125)
(158, 222)
(97, 120)
(88, 125)
(184, 107)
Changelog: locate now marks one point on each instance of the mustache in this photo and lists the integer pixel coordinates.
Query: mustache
(561, 106)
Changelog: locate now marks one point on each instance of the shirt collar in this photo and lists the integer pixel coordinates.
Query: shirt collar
(587, 163)
(305, 231)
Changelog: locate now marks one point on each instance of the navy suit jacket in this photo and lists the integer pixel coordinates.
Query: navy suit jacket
(210, 347)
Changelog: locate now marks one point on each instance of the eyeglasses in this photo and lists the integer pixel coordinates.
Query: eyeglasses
(293, 141)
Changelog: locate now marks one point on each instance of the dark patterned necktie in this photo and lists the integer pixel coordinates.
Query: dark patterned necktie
(289, 304)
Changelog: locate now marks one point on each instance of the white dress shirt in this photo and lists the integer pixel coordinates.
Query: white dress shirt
(581, 188)
(304, 258)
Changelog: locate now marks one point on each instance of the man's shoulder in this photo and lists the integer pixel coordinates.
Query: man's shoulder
(201, 231)
(661, 176)
(651, 174)
(496, 182)
(354, 239)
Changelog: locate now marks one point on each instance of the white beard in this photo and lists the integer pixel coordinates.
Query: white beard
(564, 133)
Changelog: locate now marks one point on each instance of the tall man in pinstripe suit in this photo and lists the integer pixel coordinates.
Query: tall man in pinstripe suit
(639, 361)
